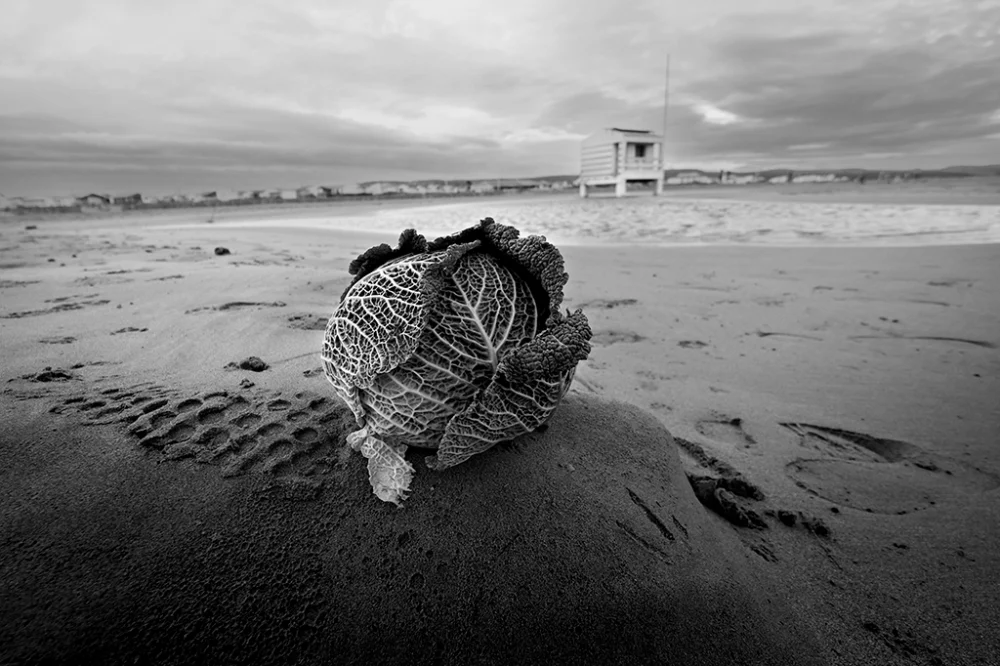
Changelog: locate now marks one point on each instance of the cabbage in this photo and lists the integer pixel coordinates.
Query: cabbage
(453, 345)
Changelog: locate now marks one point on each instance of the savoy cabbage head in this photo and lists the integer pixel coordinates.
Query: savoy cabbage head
(455, 345)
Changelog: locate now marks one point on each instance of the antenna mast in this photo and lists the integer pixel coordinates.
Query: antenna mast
(666, 104)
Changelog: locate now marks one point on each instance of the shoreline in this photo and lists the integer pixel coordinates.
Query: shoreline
(803, 243)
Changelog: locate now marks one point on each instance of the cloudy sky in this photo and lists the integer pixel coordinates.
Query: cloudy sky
(189, 95)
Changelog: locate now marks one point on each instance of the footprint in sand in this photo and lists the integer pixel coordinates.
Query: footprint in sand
(615, 337)
(61, 305)
(771, 334)
(696, 459)
(290, 440)
(308, 322)
(606, 304)
(728, 431)
(237, 305)
(879, 475)
(719, 486)
(929, 338)
(66, 340)
(955, 282)
(702, 287)
(769, 301)
(50, 374)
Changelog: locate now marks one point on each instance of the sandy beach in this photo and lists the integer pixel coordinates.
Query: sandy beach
(158, 501)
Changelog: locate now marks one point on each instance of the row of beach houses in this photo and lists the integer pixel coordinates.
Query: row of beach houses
(729, 178)
(301, 194)
(396, 188)
(388, 189)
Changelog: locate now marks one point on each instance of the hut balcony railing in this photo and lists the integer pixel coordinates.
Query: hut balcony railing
(640, 164)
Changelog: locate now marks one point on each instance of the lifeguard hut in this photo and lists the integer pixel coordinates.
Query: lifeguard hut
(616, 156)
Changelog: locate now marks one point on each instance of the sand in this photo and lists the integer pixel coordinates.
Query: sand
(158, 504)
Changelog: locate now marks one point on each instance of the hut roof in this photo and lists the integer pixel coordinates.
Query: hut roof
(630, 131)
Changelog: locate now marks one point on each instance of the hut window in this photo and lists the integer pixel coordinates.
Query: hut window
(640, 150)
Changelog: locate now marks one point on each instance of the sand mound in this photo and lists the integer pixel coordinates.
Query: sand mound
(581, 544)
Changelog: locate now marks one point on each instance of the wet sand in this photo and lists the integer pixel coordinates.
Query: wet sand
(154, 497)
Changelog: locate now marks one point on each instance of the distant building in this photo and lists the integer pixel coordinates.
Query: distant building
(691, 178)
(383, 187)
(515, 184)
(352, 189)
(815, 178)
(30, 202)
(129, 200)
(482, 187)
(316, 192)
(94, 200)
(225, 196)
(616, 156)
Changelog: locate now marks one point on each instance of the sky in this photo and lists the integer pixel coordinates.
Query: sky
(144, 95)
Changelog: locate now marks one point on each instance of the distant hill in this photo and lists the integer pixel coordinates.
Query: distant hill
(984, 170)
(854, 172)
(553, 179)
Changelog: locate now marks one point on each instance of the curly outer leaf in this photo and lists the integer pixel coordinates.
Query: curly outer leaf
(553, 351)
(529, 383)
(388, 472)
(379, 322)
(534, 255)
(410, 242)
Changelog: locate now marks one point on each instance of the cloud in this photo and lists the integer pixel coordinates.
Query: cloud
(714, 115)
(840, 90)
